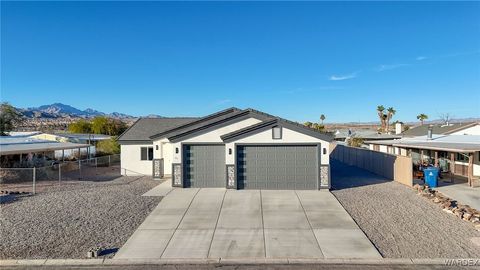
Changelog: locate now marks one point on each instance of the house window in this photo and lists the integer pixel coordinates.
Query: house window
(461, 157)
(276, 133)
(146, 153)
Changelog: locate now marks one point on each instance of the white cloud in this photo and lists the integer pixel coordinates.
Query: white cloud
(390, 67)
(223, 101)
(343, 77)
(420, 58)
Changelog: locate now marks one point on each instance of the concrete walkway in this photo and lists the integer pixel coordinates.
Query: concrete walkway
(161, 190)
(244, 224)
(463, 194)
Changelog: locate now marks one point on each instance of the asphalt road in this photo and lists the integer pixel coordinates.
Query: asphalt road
(250, 267)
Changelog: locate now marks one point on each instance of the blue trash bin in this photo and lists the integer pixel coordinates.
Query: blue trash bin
(431, 176)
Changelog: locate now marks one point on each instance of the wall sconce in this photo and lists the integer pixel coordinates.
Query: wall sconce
(229, 151)
(176, 150)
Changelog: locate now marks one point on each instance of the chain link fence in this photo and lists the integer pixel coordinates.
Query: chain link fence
(40, 179)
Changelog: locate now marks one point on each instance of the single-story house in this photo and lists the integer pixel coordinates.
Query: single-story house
(82, 138)
(233, 148)
(18, 151)
(471, 128)
(457, 154)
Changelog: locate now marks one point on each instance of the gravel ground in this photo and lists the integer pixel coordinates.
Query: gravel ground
(66, 221)
(400, 223)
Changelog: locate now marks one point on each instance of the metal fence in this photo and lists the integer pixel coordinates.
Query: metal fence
(38, 179)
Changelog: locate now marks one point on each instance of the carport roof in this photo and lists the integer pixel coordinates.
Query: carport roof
(14, 146)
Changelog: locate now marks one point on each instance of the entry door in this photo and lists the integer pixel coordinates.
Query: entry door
(204, 166)
(277, 167)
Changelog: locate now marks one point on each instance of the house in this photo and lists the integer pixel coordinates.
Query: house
(343, 135)
(457, 154)
(82, 138)
(472, 128)
(21, 151)
(233, 148)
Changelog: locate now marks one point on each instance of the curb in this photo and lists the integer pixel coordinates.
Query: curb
(225, 261)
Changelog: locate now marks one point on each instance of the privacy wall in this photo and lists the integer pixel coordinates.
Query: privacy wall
(397, 168)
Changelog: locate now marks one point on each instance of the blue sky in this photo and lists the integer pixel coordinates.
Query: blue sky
(295, 60)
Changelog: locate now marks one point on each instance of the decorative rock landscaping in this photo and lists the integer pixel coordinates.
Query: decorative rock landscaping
(449, 205)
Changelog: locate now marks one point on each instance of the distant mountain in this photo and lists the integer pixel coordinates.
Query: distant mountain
(59, 110)
(153, 116)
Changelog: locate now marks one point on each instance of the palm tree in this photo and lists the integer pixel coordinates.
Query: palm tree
(381, 116)
(322, 118)
(422, 117)
(390, 112)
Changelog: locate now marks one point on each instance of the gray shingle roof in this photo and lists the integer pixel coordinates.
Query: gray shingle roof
(201, 123)
(437, 129)
(143, 128)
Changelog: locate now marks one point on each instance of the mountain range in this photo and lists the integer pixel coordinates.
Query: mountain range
(59, 110)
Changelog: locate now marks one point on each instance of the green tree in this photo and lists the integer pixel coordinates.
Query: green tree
(355, 142)
(318, 126)
(9, 118)
(322, 118)
(308, 124)
(81, 126)
(108, 147)
(390, 112)
(99, 125)
(381, 116)
(422, 117)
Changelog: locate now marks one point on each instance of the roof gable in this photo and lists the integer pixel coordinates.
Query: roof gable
(143, 128)
(272, 121)
(191, 125)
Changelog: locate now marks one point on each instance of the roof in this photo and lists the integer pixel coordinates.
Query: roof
(452, 143)
(143, 128)
(437, 129)
(190, 126)
(233, 114)
(83, 136)
(205, 124)
(364, 134)
(16, 145)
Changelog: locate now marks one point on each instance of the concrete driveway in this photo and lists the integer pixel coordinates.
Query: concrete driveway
(219, 223)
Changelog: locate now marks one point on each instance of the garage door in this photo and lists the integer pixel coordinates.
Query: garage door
(204, 166)
(277, 167)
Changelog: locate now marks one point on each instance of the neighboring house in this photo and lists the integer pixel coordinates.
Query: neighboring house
(459, 154)
(20, 151)
(343, 135)
(81, 138)
(233, 148)
(444, 129)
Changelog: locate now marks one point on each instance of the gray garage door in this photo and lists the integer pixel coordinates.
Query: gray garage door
(204, 166)
(277, 167)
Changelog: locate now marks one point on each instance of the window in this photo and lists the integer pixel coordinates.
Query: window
(146, 153)
(461, 157)
(276, 133)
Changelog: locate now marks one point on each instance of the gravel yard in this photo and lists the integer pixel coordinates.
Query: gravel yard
(67, 220)
(400, 223)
